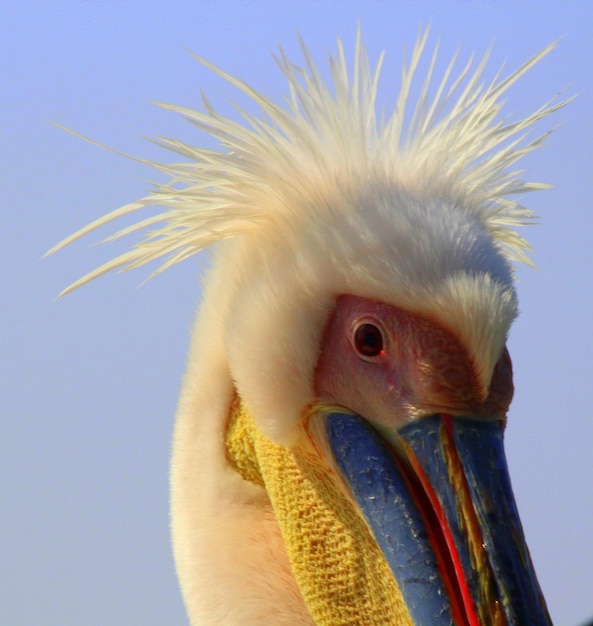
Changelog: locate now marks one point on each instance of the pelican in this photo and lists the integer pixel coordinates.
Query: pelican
(338, 450)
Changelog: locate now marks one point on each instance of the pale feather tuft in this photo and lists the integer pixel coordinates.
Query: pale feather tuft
(327, 136)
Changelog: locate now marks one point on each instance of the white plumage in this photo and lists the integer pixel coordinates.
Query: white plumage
(315, 198)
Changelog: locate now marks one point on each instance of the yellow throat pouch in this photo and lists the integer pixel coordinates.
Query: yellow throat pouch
(339, 568)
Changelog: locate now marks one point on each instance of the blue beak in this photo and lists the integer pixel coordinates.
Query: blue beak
(437, 498)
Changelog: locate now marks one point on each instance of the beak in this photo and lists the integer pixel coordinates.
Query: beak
(437, 497)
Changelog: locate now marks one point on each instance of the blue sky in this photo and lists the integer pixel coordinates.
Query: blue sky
(89, 382)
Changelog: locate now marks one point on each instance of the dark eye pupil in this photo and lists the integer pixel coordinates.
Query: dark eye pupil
(368, 340)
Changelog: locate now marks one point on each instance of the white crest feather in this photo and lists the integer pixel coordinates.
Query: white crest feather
(327, 137)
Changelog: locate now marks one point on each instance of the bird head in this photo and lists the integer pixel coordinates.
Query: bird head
(362, 296)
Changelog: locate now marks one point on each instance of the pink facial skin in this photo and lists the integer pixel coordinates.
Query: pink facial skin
(412, 369)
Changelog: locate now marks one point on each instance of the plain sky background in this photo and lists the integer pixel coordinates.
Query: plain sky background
(89, 383)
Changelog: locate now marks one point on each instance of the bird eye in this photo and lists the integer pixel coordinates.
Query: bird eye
(368, 340)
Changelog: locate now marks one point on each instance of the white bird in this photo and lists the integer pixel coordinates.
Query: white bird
(337, 454)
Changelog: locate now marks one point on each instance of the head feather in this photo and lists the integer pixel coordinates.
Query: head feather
(328, 137)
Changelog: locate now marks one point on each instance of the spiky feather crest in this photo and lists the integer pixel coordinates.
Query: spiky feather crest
(321, 197)
(267, 171)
